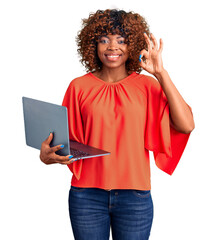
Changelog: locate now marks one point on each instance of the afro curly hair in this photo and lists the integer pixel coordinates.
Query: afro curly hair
(129, 25)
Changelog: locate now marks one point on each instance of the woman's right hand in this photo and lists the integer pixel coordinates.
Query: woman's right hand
(48, 155)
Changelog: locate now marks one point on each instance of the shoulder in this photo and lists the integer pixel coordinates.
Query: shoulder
(80, 79)
(80, 82)
(149, 82)
(152, 88)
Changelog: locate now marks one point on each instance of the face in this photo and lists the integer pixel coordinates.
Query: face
(112, 51)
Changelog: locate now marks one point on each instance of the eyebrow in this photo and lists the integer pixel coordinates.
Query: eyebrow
(108, 37)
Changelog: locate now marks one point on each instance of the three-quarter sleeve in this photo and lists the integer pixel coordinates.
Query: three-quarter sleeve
(71, 101)
(166, 143)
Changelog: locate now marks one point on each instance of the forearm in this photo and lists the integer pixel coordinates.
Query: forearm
(180, 113)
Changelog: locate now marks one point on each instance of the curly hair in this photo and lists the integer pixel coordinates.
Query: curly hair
(129, 25)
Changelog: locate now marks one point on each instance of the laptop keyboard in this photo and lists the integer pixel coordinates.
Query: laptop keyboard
(76, 152)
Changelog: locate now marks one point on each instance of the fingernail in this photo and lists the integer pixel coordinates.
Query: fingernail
(62, 146)
(70, 157)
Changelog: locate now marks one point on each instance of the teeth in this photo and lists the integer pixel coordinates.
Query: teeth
(112, 56)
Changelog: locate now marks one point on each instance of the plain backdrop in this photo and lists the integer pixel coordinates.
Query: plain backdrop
(38, 59)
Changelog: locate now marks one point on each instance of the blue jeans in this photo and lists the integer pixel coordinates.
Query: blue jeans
(93, 210)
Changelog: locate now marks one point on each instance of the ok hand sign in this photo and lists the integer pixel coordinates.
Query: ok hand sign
(153, 60)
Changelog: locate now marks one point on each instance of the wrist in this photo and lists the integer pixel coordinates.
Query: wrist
(161, 75)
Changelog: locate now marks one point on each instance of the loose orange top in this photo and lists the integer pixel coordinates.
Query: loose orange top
(128, 118)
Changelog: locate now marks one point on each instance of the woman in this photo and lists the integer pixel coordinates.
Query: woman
(115, 108)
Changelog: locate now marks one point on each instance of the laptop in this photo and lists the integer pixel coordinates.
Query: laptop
(41, 118)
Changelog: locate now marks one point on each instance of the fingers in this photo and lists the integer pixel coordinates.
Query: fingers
(143, 64)
(161, 45)
(148, 42)
(71, 159)
(48, 155)
(45, 146)
(49, 139)
(144, 53)
(56, 148)
(155, 46)
(62, 159)
(154, 41)
(65, 159)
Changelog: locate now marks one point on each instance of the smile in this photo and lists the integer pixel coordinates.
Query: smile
(112, 57)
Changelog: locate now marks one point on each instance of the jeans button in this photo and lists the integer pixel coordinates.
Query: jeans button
(116, 193)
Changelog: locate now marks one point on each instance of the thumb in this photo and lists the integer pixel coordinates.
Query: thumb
(49, 139)
(144, 53)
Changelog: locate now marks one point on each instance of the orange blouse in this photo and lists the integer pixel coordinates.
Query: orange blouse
(127, 118)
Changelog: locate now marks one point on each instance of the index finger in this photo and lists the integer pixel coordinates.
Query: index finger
(148, 41)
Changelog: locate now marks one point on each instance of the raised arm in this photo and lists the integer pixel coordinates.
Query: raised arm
(180, 113)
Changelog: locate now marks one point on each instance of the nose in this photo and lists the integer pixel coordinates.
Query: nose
(112, 46)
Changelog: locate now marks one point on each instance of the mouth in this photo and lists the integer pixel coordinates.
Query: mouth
(112, 57)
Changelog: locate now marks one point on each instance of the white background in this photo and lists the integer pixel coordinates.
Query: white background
(38, 59)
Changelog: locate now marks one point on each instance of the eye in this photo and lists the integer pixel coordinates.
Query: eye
(103, 41)
(121, 42)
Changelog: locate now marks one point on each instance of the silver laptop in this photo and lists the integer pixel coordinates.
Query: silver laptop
(41, 118)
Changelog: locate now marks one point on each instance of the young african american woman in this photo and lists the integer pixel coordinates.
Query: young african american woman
(116, 108)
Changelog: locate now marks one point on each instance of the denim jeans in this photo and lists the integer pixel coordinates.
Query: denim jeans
(92, 211)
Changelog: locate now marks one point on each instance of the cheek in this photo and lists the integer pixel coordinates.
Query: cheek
(125, 50)
(126, 54)
(100, 51)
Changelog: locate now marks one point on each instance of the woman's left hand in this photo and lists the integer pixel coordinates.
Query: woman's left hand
(153, 57)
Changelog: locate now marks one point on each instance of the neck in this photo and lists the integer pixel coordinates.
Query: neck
(112, 75)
